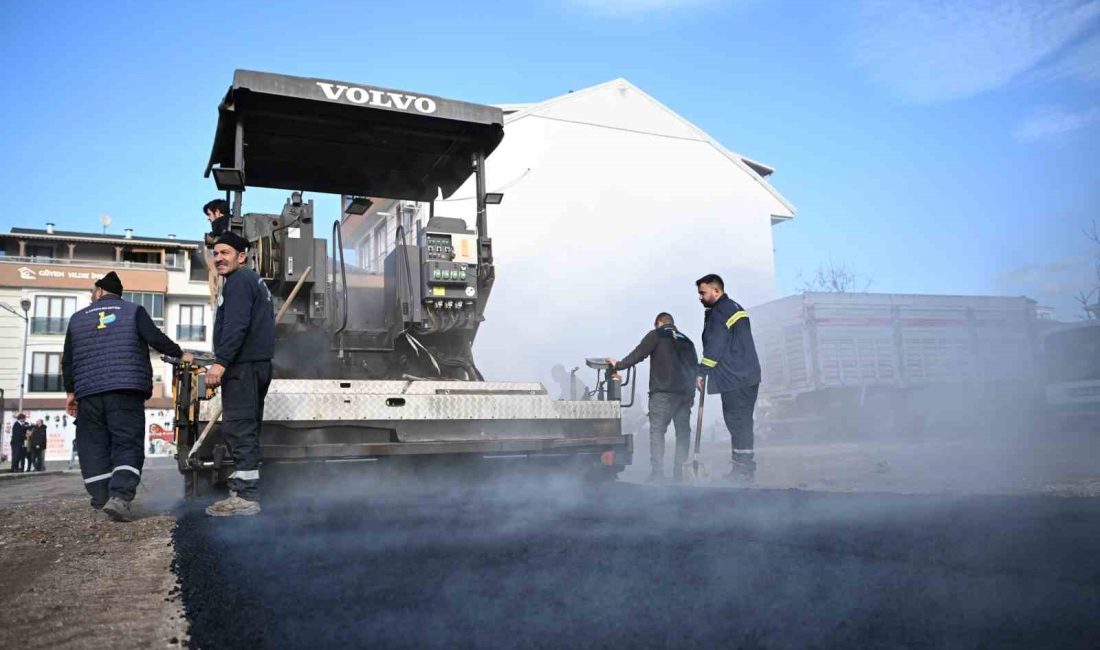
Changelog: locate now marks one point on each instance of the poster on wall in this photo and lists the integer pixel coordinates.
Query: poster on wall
(61, 432)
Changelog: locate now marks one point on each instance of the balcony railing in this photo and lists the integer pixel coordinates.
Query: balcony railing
(15, 259)
(190, 332)
(45, 384)
(42, 325)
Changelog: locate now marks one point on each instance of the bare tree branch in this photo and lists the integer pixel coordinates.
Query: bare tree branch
(831, 277)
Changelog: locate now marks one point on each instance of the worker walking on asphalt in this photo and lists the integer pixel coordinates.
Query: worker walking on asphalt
(731, 368)
(672, 363)
(107, 374)
(19, 432)
(244, 343)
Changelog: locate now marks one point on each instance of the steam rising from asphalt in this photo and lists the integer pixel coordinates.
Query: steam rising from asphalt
(357, 555)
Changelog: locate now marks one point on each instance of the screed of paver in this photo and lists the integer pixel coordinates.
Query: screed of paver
(71, 579)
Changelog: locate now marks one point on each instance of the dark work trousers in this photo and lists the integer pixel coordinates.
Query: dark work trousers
(38, 460)
(110, 432)
(737, 408)
(18, 453)
(244, 387)
(665, 408)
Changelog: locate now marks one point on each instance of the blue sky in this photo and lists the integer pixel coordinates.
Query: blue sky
(931, 146)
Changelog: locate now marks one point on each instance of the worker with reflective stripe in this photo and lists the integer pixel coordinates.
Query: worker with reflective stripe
(731, 368)
(107, 375)
(244, 344)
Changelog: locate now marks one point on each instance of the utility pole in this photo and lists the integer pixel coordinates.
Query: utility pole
(25, 304)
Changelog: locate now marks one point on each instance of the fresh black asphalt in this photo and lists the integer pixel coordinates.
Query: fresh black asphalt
(556, 564)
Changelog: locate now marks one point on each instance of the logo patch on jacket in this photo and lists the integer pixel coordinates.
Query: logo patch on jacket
(105, 319)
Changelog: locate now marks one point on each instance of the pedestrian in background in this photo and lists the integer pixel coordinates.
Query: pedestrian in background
(19, 432)
(37, 460)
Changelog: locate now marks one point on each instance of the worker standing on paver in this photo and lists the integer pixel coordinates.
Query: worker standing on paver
(731, 368)
(107, 374)
(217, 213)
(672, 363)
(244, 344)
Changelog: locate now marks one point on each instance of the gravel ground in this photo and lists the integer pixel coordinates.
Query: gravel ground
(71, 579)
(559, 565)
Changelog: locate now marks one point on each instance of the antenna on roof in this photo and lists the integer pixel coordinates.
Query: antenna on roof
(106, 221)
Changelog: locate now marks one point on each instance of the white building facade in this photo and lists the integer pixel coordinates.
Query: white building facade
(613, 206)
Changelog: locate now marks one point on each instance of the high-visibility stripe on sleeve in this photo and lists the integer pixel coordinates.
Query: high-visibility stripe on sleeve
(710, 363)
(736, 317)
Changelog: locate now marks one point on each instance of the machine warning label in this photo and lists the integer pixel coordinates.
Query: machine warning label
(294, 233)
(439, 291)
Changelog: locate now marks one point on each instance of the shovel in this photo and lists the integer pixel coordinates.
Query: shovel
(694, 470)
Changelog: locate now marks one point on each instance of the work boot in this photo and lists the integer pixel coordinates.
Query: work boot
(118, 509)
(234, 506)
(656, 476)
(742, 470)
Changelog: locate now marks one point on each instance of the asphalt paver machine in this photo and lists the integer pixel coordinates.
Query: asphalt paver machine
(377, 364)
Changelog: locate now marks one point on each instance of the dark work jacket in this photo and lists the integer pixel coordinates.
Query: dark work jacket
(107, 349)
(729, 356)
(19, 433)
(672, 360)
(38, 437)
(244, 327)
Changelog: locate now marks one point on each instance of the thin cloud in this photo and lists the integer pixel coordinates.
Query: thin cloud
(1050, 283)
(1081, 63)
(930, 51)
(635, 6)
(1052, 123)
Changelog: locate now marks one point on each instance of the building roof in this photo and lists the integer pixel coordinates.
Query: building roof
(756, 170)
(97, 238)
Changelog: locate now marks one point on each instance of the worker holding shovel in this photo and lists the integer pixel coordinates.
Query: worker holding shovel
(731, 368)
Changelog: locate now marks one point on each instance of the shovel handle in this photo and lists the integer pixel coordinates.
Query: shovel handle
(699, 416)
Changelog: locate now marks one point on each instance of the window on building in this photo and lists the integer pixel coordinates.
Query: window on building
(39, 250)
(152, 302)
(141, 256)
(51, 314)
(378, 255)
(45, 376)
(173, 260)
(191, 326)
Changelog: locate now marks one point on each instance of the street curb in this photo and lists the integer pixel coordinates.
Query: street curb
(10, 476)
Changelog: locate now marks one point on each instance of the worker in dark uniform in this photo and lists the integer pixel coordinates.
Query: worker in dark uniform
(731, 368)
(19, 432)
(244, 343)
(108, 377)
(672, 363)
(217, 213)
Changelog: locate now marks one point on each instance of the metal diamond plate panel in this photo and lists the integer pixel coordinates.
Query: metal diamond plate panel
(305, 400)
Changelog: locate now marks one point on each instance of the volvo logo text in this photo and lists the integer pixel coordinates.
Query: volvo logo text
(381, 99)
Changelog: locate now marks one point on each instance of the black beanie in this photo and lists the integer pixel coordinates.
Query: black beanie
(110, 283)
(233, 239)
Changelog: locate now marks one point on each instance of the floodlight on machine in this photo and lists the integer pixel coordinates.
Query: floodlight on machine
(358, 206)
(229, 179)
(493, 198)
